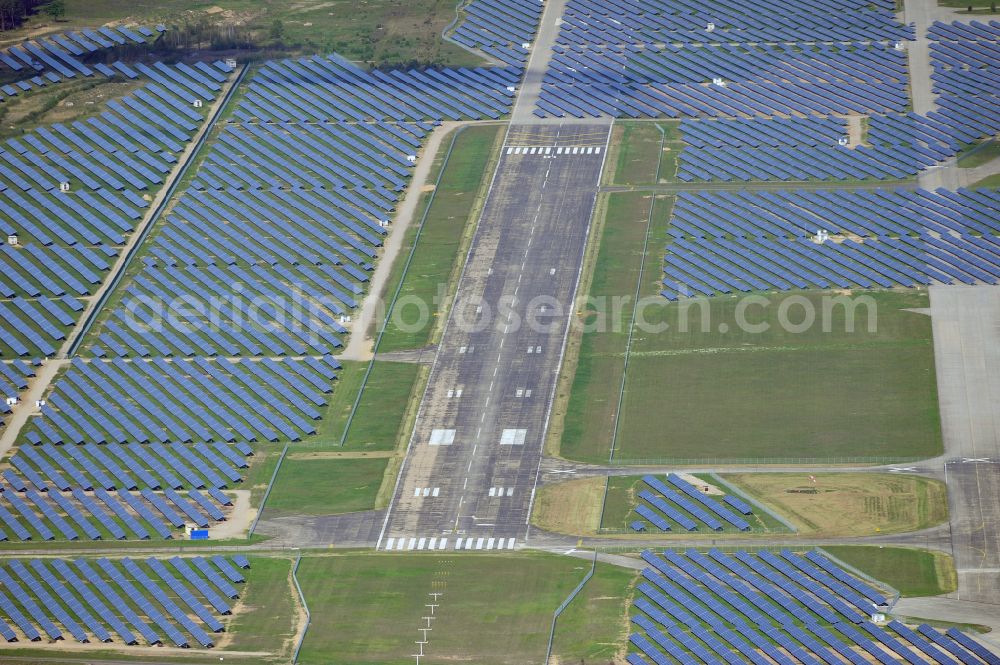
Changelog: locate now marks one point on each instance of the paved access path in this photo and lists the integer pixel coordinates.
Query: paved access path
(538, 64)
(361, 343)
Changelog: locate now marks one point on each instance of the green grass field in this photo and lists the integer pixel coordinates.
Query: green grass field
(695, 392)
(494, 610)
(379, 419)
(438, 258)
(601, 353)
(979, 154)
(990, 181)
(638, 157)
(594, 627)
(848, 504)
(980, 6)
(911, 572)
(312, 484)
(815, 394)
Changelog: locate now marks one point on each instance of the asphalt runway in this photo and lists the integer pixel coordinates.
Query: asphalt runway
(469, 475)
(966, 323)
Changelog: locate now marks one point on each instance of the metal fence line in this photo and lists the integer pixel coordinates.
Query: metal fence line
(569, 599)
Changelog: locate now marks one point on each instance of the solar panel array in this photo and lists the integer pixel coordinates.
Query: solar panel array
(675, 59)
(896, 145)
(500, 29)
(774, 608)
(728, 242)
(155, 601)
(686, 21)
(14, 377)
(69, 512)
(273, 243)
(67, 241)
(55, 58)
(183, 401)
(678, 505)
(966, 60)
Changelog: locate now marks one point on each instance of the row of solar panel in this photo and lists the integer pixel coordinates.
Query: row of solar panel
(769, 608)
(696, 100)
(794, 164)
(57, 52)
(687, 507)
(103, 161)
(185, 400)
(811, 131)
(188, 82)
(964, 31)
(127, 599)
(618, 59)
(601, 22)
(14, 376)
(499, 29)
(115, 466)
(34, 270)
(862, 213)
(100, 515)
(367, 158)
(719, 266)
(231, 311)
(869, 63)
(35, 326)
(44, 159)
(966, 79)
(902, 146)
(330, 88)
(316, 202)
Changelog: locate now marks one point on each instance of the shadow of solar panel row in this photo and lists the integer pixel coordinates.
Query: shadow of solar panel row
(160, 401)
(126, 600)
(115, 466)
(617, 22)
(499, 28)
(330, 88)
(683, 504)
(14, 377)
(73, 513)
(863, 213)
(55, 57)
(755, 81)
(774, 608)
(730, 242)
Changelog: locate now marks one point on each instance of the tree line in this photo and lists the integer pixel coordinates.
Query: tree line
(13, 12)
